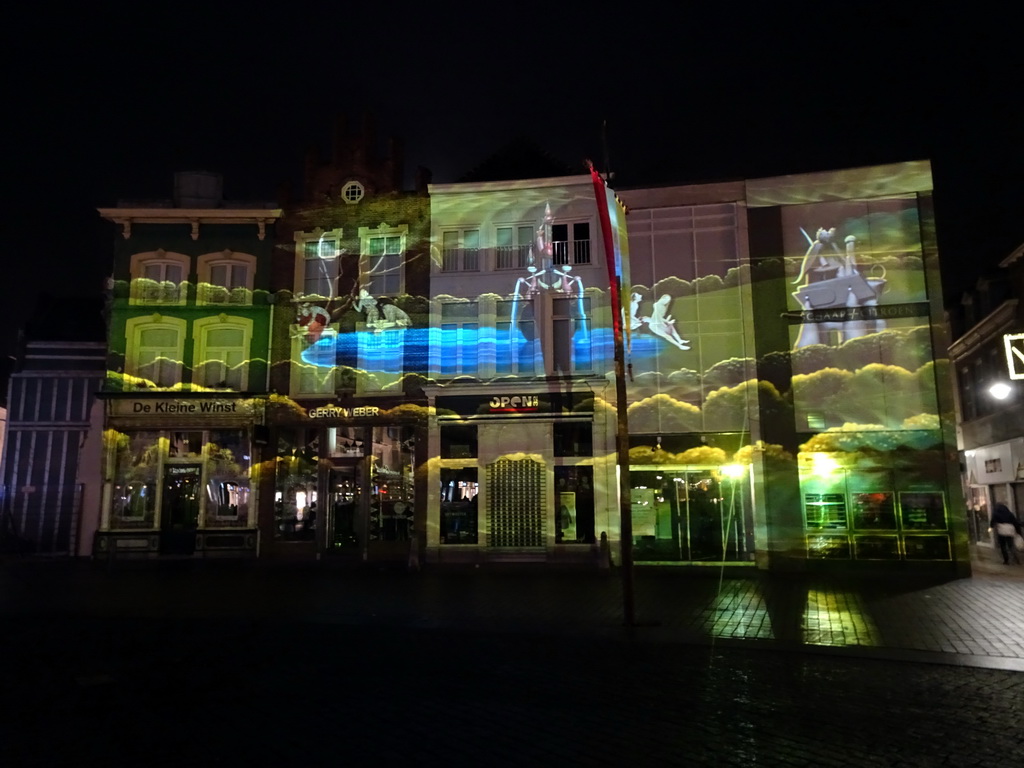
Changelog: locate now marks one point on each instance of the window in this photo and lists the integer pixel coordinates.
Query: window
(459, 349)
(458, 441)
(574, 249)
(155, 350)
(317, 270)
(383, 250)
(517, 347)
(225, 278)
(221, 358)
(573, 438)
(571, 335)
(159, 278)
(313, 373)
(460, 250)
(459, 513)
(513, 247)
(352, 192)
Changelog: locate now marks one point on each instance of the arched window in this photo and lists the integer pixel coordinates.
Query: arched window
(159, 277)
(222, 346)
(225, 278)
(155, 349)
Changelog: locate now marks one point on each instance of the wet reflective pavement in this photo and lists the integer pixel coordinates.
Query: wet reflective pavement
(195, 663)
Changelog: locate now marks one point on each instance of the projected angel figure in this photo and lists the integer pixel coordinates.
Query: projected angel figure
(659, 322)
(662, 324)
(380, 317)
(635, 321)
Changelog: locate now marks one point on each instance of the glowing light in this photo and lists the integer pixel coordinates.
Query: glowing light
(824, 465)
(733, 471)
(1000, 390)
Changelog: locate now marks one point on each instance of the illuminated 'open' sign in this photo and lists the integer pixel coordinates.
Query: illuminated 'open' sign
(1014, 354)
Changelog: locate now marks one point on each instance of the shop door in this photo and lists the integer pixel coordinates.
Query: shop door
(179, 513)
(347, 522)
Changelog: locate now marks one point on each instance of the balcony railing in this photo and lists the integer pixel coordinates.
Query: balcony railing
(511, 256)
(460, 260)
(571, 251)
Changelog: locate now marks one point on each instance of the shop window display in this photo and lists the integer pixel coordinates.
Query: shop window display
(295, 494)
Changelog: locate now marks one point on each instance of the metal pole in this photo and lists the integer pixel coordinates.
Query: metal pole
(622, 459)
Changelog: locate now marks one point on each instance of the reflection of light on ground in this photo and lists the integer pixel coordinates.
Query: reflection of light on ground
(837, 618)
(739, 613)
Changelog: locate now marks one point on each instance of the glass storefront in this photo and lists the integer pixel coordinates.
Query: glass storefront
(179, 482)
(355, 483)
(691, 514)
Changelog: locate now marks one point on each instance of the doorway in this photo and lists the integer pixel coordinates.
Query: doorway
(179, 513)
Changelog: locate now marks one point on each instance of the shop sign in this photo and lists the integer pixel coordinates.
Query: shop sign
(507, 404)
(337, 412)
(514, 403)
(176, 407)
(1014, 354)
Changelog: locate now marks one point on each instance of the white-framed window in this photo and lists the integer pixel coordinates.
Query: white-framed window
(315, 372)
(460, 250)
(225, 278)
(570, 335)
(155, 349)
(517, 348)
(222, 351)
(513, 245)
(382, 257)
(159, 277)
(570, 243)
(352, 192)
(316, 269)
(459, 341)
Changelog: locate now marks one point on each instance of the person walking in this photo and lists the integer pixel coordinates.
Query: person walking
(1007, 528)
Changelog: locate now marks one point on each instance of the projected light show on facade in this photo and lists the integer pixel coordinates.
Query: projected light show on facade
(376, 375)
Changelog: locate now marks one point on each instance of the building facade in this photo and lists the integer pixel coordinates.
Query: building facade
(187, 372)
(51, 398)
(349, 341)
(790, 402)
(987, 359)
(375, 374)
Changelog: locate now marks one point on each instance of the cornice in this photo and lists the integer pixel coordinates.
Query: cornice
(994, 323)
(193, 216)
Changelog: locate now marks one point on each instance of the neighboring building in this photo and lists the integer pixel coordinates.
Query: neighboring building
(51, 397)
(190, 315)
(349, 350)
(522, 418)
(987, 357)
(790, 402)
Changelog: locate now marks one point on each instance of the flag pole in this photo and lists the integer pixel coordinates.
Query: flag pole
(622, 419)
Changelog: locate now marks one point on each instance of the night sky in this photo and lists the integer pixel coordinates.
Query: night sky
(109, 104)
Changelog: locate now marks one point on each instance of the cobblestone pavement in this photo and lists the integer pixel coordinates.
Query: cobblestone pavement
(196, 663)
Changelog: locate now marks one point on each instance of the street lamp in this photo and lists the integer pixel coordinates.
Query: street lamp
(1000, 390)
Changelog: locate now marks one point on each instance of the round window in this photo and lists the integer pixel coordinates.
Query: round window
(352, 192)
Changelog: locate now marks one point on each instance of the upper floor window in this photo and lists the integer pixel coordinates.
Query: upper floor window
(221, 358)
(460, 250)
(317, 270)
(459, 348)
(570, 243)
(226, 278)
(382, 255)
(314, 368)
(513, 247)
(352, 192)
(159, 277)
(155, 348)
